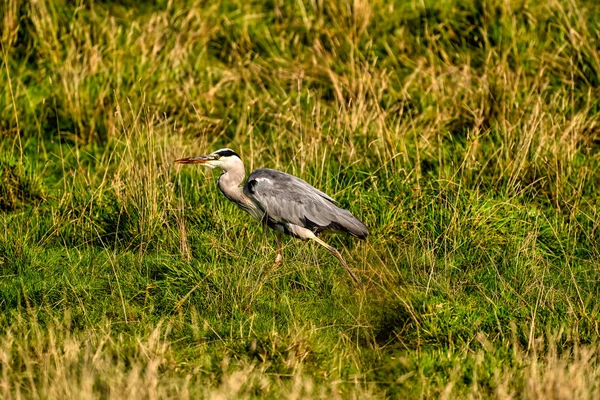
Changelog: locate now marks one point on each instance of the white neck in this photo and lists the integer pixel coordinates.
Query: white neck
(229, 184)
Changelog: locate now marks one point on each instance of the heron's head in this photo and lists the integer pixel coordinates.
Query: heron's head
(224, 158)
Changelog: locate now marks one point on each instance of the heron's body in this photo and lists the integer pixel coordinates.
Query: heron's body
(282, 201)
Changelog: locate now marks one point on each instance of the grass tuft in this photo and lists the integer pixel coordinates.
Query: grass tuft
(18, 186)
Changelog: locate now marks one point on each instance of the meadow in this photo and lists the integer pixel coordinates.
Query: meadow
(464, 133)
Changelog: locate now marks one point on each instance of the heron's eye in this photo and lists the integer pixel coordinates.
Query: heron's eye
(217, 156)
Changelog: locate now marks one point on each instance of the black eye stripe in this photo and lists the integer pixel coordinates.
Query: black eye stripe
(227, 153)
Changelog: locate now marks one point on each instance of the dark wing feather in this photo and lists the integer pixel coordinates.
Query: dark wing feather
(288, 199)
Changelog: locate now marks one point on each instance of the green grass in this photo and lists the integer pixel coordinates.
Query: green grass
(464, 134)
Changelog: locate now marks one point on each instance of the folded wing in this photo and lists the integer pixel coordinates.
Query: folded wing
(287, 199)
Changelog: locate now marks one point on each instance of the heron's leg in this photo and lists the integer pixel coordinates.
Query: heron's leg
(337, 255)
(279, 257)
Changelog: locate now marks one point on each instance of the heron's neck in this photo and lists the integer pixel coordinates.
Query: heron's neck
(230, 181)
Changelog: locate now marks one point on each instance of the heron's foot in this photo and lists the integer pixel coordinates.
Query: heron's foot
(278, 260)
(279, 256)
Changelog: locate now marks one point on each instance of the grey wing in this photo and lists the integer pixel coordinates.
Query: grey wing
(287, 199)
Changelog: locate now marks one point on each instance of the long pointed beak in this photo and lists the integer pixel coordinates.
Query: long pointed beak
(193, 160)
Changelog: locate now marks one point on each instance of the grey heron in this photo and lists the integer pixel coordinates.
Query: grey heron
(282, 201)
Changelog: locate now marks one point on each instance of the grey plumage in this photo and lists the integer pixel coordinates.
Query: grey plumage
(282, 201)
(286, 199)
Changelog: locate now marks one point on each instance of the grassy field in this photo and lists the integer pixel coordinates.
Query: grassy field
(465, 134)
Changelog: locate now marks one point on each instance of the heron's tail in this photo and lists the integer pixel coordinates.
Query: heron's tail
(353, 225)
